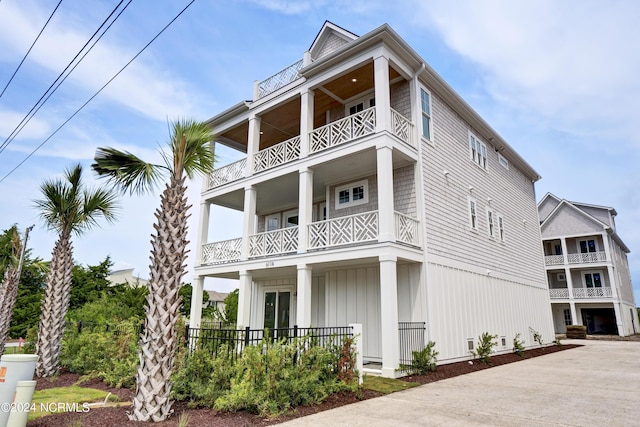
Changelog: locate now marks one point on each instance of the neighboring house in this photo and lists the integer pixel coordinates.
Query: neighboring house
(216, 300)
(587, 268)
(125, 275)
(373, 194)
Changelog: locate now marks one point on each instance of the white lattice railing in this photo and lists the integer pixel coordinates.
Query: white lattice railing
(587, 257)
(592, 292)
(274, 242)
(559, 293)
(343, 130)
(279, 79)
(277, 155)
(554, 260)
(401, 127)
(229, 173)
(344, 230)
(219, 252)
(407, 229)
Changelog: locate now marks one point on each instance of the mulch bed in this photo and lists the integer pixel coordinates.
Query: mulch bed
(117, 416)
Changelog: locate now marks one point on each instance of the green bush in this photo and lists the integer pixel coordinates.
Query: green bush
(423, 361)
(485, 347)
(518, 345)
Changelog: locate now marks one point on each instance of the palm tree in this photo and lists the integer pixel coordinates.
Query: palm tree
(9, 287)
(189, 154)
(67, 207)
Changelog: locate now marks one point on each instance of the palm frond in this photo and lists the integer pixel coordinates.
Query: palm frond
(190, 148)
(97, 203)
(126, 171)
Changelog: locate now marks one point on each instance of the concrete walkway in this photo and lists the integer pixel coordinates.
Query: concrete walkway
(594, 385)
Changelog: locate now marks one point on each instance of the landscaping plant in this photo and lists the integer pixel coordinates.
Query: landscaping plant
(423, 361)
(518, 345)
(486, 343)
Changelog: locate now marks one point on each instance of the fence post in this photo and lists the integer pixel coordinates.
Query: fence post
(79, 325)
(356, 330)
(246, 336)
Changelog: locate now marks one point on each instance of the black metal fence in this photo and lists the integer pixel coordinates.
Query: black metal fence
(411, 336)
(235, 340)
(117, 329)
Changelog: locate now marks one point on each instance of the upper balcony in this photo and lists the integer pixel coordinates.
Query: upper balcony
(580, 250)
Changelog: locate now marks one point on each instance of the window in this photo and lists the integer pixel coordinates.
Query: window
(587, 246)
(478, 151)
(272, 222)
(360, 105)
(490, 224)
(473, 215)
(500, 227)
(425, 106)
(592, 279)
(558, 249)
(562, 277)
(356, 193)
(567, 317)
(503, 161)
(290, 218)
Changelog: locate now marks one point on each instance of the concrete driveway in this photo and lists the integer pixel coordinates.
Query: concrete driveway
(594, 385)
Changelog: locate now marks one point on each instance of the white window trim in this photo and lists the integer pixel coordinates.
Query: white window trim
(592, 272)
(502, 160)
(595, 241)
(364, 183)
(428, 92)
(472, 209)
(500, 227)
(365, 100)
(491, 223)
(475, 155)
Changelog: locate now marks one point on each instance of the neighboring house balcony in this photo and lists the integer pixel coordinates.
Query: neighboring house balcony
(570, 251)
(581, 293)
(579, 258)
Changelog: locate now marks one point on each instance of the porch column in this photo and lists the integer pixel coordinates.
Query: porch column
(565, 255)
(574, 314)
(567, 275)
(249, 220)
(195, 315)
(386, 219)
(389, 316)
(244, 299)
(203, 231)
(618, 313)
(303, 310)
(383, 97)
(613, 283)
(306, 121)
(305, 207)
(253, 142)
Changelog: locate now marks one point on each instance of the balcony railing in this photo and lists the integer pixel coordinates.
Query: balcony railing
(592, 293)
(279, 79)
(559, 293)
(277, 155)
(401, 127)
(554, 260)
(344, 230)
(588, 257)
(343, 130)
(220, 252)
(229, 173)
(274, 242)
(407, 229)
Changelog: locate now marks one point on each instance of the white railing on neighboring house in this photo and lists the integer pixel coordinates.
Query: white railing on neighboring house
(407, 229)
(277, 155)
(401, 127)
(225, 174)
(279, 79)
(344, 230)
(587, 257)
(219, 252)
(343, 130)
(554, 260)
(592, 292)
(282, 241)
(559, 293)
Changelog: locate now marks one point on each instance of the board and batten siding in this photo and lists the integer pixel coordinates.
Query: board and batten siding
(506, 192)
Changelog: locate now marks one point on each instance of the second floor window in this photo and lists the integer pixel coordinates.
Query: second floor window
(490, 224)
(356, 193)
(473, 214)
(478, 151)
(425, 106)
(500, 228)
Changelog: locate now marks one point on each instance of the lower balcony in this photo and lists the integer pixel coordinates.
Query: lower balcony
(581, 293)
(359, 229)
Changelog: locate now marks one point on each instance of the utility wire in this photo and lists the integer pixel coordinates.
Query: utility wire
(98, 92)
(29, 51)
(40, 101)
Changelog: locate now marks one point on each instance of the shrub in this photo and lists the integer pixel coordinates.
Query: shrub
(485, 347)
(537, 336)
(423, 361)
(518, 345)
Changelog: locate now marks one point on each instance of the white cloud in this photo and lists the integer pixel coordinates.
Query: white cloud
(9, 120)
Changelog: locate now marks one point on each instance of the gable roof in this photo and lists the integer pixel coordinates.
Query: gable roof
(329, 30)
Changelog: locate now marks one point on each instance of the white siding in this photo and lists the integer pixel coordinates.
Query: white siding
(318, 306)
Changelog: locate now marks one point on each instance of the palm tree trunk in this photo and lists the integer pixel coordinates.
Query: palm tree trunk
(158, 341)
(55, 303)
(8, 294)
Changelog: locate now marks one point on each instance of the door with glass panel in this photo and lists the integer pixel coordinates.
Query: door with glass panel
(277, 307)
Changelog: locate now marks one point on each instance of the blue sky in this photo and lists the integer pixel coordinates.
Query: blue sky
(558, 80)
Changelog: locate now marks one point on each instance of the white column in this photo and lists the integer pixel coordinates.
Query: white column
(253, 142)
(574, 314)
(567, 275)
(244, 299)
(203, 231)
(386, 218)
(195, 315)
(389, 316)
(306, 121)
(356, 328)
(618, 314)
(565, 255)
(303, 310)
(383, 97)
(305, 208)
(249, 220)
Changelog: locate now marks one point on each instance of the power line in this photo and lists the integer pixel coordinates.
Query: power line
(50, 91)
(98, 92)
(29, 51)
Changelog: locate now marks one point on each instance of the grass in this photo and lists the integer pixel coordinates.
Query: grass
(65, 397)
(386, 385)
